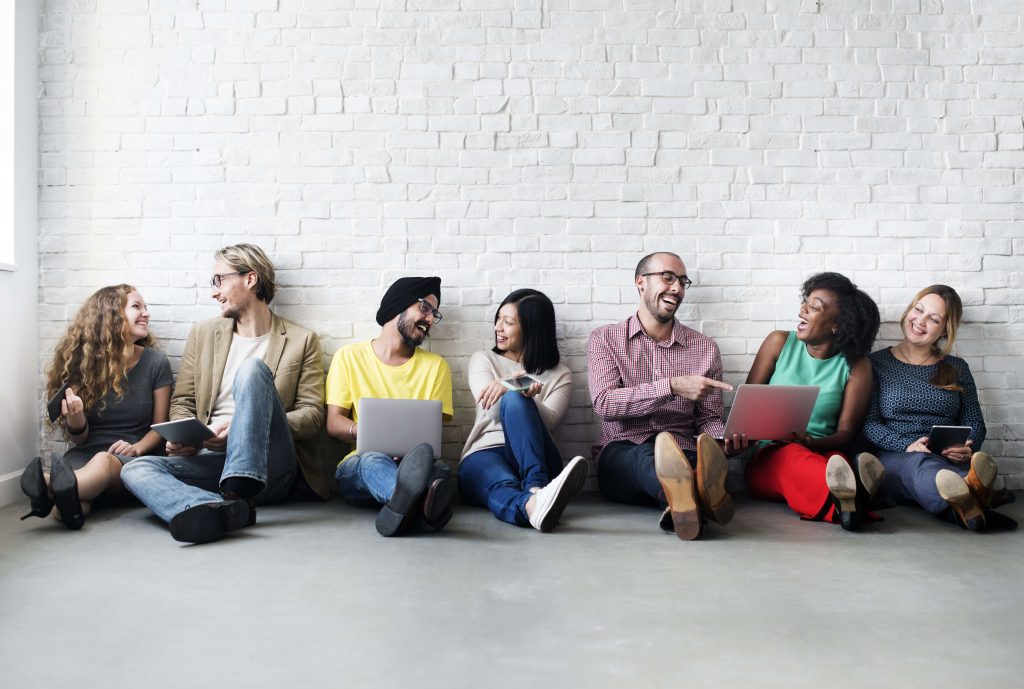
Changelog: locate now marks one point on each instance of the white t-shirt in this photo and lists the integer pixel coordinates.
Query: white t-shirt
(242, 348)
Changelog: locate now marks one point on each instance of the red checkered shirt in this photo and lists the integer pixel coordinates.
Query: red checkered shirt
(629, 384)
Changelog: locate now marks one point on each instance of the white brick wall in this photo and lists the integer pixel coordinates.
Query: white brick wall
(547, 143)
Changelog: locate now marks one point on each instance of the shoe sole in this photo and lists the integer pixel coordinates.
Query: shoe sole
(712, 469)
(954, 490)
(842, 483)
(982, 476)
(871, 472)
(33, 485)
(411, 483)
(209, 522)
(436, 512)
(676, 478)
(570, 488)
(64, 484)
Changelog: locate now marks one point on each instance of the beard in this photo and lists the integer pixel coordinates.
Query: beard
(657, 309)
(410, 332)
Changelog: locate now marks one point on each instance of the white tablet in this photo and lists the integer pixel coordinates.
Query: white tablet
(191, 432)
(771, 412)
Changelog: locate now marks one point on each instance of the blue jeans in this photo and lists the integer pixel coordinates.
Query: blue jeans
(500, 478)
(369, 479)
(910, 480)
(259, 447)
(625, 473)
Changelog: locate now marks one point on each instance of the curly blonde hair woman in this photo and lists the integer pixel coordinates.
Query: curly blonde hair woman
(113, 384)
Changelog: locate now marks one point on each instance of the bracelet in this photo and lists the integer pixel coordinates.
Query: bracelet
(77, 431)
(352, 431)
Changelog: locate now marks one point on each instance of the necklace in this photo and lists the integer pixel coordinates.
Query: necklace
(906, 357)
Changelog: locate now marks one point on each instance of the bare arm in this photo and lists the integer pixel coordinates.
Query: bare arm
(340, 424)
(767, 356)
(856, 396)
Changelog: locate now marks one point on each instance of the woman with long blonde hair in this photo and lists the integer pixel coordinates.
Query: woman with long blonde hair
(114, 384)
(919, 384)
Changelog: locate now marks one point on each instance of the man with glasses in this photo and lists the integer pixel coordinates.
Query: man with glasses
(257, 381)
(412, 490)
(657, 386)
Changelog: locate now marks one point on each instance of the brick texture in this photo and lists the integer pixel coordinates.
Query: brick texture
(511, 143)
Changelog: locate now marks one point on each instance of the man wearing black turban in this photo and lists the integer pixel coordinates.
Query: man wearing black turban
(413, 488)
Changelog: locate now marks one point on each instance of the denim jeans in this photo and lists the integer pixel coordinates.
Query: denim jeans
(910, 480)
(500, 478)
(369, 479)
(625, 473)
(259, 447)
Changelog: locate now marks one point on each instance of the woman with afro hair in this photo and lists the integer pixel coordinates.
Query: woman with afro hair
(837, 324)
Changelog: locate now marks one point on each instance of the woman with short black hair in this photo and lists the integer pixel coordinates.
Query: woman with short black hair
(509, 456)
(837, 325)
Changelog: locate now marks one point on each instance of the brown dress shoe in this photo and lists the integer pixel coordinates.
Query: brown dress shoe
(981, 477)
(712, 468)
(954, 490)
(676, 478)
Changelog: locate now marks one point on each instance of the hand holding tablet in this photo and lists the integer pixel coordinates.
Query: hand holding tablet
(189, 432)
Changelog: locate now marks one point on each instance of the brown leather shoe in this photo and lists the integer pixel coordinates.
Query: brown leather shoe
(676, 478)
(954, 490)
(981, 477)
(712, 468)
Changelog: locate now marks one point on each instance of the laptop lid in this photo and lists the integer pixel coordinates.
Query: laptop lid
(771, 412)
(396, 426)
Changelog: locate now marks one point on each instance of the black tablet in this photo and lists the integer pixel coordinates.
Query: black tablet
(942, 437)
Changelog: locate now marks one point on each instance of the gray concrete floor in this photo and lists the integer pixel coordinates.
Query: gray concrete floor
(313, 597)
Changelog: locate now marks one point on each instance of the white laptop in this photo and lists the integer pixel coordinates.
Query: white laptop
(771, 412)
(396, 426)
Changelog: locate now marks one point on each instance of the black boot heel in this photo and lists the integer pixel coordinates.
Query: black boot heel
(65, 492)
(34, 486)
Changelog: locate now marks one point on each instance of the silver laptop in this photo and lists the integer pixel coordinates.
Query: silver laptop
(771, 412)
(396, 426)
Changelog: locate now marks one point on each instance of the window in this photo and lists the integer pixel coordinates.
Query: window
(7, 137)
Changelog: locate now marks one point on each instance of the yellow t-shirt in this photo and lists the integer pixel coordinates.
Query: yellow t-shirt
(356, 372)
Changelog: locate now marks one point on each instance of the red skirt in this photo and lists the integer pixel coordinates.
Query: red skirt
(795, 475)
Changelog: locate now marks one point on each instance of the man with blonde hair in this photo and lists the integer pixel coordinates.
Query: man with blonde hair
(257, 381)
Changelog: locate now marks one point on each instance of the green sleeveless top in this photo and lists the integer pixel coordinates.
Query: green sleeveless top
(796, 367)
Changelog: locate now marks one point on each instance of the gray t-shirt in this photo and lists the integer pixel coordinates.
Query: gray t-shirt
(129, 417)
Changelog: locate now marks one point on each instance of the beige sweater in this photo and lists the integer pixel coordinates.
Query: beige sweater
(552, 400)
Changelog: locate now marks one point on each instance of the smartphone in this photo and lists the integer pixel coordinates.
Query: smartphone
(520, 383)
(942, 437)
(53, 406)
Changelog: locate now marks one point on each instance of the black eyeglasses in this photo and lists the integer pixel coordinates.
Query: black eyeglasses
(217, 278)
(426, 308)
(669, 278)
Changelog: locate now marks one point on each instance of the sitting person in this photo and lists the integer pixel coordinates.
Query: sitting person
(919, 384)
(257, 380)
(118, 384)
(509, 455)
(656, 385)
(837, 324)
(413, 489)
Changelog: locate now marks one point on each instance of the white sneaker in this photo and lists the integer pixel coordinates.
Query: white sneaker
(552, 499)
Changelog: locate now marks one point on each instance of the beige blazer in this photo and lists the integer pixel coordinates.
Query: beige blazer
(293, 356)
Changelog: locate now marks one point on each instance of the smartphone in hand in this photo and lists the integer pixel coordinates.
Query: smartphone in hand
(520, 383)
(53, 406)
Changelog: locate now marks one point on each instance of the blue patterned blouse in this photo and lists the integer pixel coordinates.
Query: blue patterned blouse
(904, 406)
